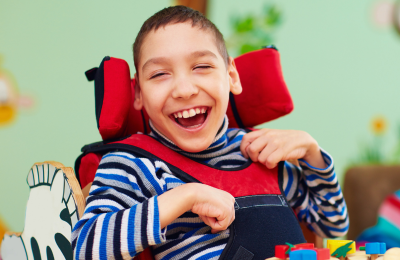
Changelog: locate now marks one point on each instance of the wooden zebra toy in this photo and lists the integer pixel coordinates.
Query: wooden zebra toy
(54, 206)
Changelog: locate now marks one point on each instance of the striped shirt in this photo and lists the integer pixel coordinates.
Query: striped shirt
(121, 216)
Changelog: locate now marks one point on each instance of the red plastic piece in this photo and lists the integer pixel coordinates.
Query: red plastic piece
(280, 251)
(323, 253)
(303, 246)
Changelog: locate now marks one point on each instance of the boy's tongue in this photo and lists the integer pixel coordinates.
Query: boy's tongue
(192, 121)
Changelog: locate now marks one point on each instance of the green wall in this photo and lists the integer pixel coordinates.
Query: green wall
(340, 68)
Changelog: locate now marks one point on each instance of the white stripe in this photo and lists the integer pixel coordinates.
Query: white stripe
(338, 217)
(318, 181)
(120, 195)
(88, 216)
(209, 250)
(138, 228)
(97, 235)
(112, 155)
(150, 222)
(295, 181)
(124, 236)
(187, 220)
(162, 165)
(333, 199)
(117, 172)
(103, 203)
(135, 167)
(178, 246)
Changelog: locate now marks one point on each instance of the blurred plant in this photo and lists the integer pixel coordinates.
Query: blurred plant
(372, 153)
(396, 152)
(251, 32)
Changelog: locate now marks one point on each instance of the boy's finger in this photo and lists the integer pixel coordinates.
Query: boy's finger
(248, 139)
(216, 226)
(257, 146)
(269, 156)
(206, 220)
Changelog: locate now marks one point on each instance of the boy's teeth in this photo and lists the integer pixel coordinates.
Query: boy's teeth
(189, 113)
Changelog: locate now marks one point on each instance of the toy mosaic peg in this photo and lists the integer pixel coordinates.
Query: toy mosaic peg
(303, 254)
(374, 249)
(284, 251)
(340, 248)
(54, 206)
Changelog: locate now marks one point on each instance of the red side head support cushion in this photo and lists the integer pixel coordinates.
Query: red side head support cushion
(265, 96)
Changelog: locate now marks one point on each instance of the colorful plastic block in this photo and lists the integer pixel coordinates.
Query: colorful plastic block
(375, 248)
(303, 246)
(280, 251)
(303, 254)
(322, 253)
(333, 245)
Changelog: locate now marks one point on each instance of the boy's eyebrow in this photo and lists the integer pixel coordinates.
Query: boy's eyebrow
(198, 54)
(157, 60)
(195, 54)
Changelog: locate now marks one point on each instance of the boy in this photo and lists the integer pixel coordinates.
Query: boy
(184, 76)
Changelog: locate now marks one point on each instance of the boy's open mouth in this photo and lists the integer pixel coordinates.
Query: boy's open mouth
(191, 118)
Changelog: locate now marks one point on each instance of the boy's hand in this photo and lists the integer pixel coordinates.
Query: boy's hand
(215, 207)
(269, 147)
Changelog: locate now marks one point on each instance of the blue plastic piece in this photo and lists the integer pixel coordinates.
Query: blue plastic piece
(382, 248)
(375, 248)
(303, 254)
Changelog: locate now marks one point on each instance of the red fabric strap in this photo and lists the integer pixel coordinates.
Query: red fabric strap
(255, 179)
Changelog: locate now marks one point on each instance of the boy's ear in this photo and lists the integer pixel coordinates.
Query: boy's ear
(138, 102)
(234, 79)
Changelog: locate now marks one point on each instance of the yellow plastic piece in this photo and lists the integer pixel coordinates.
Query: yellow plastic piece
(335, 244)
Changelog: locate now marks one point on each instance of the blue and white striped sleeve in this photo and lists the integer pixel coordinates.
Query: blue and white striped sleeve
(316, 197)
(121, 215)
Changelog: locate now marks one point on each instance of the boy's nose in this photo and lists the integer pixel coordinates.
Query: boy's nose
(184, 89)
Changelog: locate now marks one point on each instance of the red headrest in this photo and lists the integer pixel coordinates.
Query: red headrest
(265, 96)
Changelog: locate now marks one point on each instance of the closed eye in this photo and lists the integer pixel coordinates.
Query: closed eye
(157, 75)
(203, 67)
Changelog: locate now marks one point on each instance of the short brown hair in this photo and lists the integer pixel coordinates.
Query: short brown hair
(178, 14)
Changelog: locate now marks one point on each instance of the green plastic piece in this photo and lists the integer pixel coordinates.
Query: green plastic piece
(290, 248)
(342, 251)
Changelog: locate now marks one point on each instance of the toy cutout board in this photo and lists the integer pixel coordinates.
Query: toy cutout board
(54, 206)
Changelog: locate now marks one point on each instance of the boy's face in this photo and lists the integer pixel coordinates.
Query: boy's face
(184, 84)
